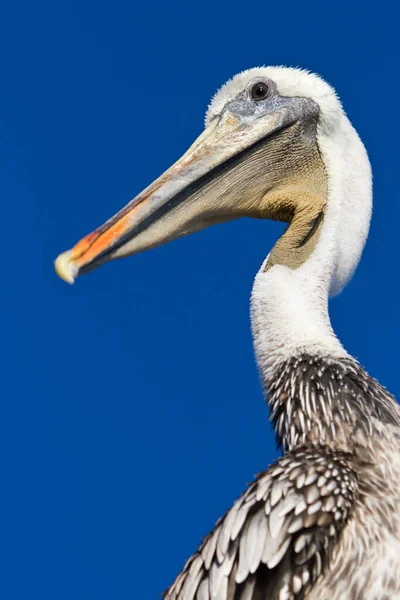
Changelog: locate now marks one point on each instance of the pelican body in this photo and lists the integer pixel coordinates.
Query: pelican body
(323, 522)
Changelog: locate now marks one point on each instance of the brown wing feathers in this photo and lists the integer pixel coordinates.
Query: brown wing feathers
(276, 539)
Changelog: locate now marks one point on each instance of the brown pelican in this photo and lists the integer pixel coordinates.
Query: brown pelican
(323, 522)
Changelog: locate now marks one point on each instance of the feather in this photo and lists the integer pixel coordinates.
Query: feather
(216, 576)
(248, 588)
(191, 585)
(208, 549)
(276, 557)
(239, 520)
(257, 533)
(276, 493)
(203, 591)
(244, 564)
(226, 531)
(230, 557)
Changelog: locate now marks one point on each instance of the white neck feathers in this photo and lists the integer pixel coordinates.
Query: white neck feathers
(289, 307)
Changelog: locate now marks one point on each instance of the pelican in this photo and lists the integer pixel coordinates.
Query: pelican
(323, 522)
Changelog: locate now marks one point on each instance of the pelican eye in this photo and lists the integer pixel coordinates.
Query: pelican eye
(259, 91)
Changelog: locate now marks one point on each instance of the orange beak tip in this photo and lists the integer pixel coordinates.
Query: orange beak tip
(65, 268)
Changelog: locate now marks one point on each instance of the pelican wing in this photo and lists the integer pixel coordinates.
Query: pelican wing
(278, 537)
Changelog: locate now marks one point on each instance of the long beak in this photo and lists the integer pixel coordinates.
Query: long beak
(193, 193)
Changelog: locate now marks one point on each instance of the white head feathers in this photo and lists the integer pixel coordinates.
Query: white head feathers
(346, 161)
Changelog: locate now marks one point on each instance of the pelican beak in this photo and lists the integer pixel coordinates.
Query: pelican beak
(224, 175)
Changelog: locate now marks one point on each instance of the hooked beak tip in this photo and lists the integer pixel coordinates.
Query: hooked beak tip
(65, 267)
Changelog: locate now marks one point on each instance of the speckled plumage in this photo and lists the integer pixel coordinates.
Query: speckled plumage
(326, 400)
(318, 521)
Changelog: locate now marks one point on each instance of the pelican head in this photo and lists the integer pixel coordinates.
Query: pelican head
(273, 146)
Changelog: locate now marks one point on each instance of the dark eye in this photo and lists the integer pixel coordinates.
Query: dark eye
(259, 91)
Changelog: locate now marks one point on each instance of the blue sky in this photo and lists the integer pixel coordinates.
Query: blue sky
(131, 413)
